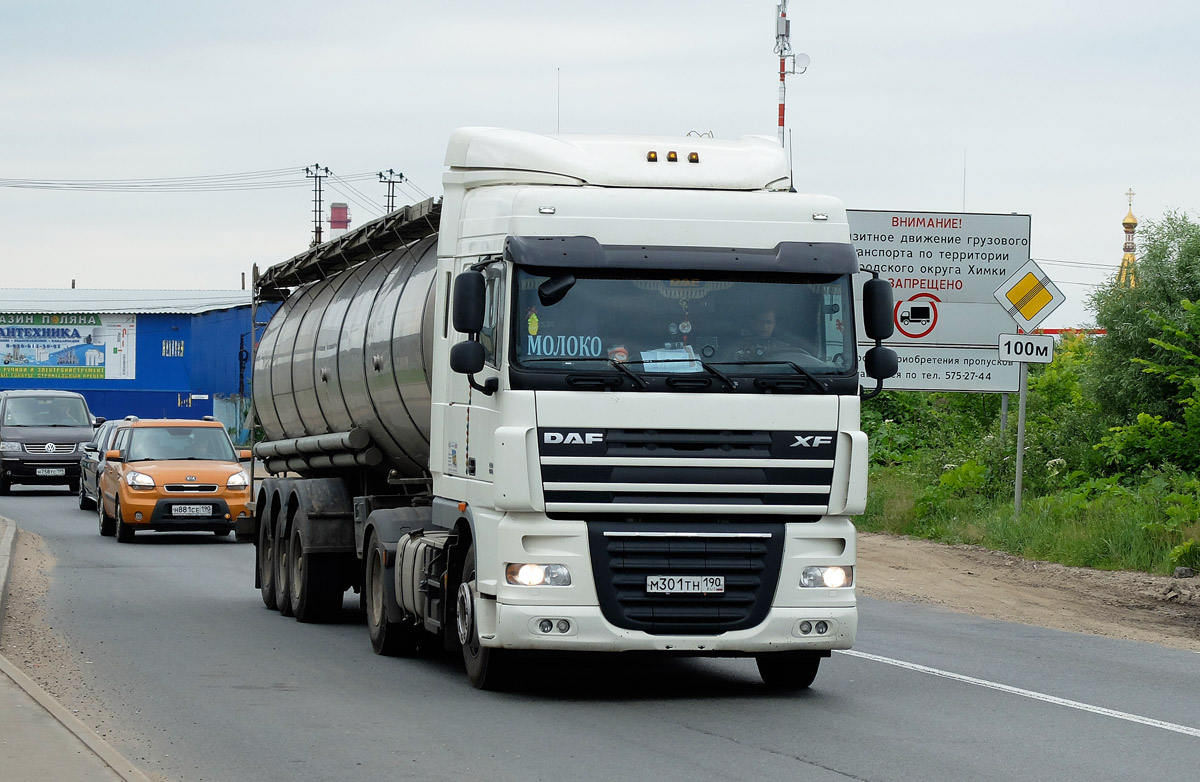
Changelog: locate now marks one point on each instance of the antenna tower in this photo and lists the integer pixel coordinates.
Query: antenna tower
(783, 47)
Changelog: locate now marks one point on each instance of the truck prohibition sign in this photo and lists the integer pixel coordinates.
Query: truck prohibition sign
(1037, 349)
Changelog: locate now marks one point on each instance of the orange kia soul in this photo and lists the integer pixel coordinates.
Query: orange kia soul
(171, 475)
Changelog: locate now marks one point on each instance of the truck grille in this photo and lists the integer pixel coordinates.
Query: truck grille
(671, 471)
(623, 555)
(52, 448)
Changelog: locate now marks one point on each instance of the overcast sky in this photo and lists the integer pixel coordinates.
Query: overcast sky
(1047, 108)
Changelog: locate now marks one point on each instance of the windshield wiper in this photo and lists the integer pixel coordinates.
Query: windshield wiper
(798, 369)
(618, 365)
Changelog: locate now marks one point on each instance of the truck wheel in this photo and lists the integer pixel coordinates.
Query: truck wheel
(124, 531)
(266, 560)
(785, 672)
(486, 668)
(283, 581)
(315, 596)
(108, 525)
(387, 638)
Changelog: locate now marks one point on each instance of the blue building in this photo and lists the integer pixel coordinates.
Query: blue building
(153, 354)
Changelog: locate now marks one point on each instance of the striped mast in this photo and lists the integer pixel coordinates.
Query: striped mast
(783, 47)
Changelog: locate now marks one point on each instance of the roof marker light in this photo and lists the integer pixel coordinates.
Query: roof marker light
(672, 156)
(652, 156)
(693, 157)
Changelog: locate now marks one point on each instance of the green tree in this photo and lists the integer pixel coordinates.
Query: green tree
(1168, 271)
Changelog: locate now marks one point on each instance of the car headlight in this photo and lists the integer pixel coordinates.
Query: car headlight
(830, 577)
(526, 574)
(239, 480)
(9, 446)
(139, 480)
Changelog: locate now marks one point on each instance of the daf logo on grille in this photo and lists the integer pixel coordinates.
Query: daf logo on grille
(51, 448)
(190, 478)
(573, 438)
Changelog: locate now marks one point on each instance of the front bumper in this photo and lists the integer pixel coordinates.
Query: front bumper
(159, 513)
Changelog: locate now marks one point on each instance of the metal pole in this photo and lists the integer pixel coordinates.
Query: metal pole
(1020, 443)
(783, 48)
(1003, 413)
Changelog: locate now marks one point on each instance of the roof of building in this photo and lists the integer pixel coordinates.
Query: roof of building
(119, 301)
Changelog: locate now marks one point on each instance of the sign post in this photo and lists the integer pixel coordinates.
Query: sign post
(1024, 349)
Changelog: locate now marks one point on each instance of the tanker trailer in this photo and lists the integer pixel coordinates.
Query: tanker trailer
(544, 414)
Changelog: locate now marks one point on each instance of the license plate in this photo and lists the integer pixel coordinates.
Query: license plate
(685, 585)
(50, 472)
(193, 510)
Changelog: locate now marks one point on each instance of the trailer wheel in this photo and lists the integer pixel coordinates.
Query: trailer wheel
(785, 672)
(387, 638)
(486, 668)
(314, 588)
(266, 560)
(282, 565)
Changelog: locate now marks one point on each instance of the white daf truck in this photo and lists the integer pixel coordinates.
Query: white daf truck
(603, 396)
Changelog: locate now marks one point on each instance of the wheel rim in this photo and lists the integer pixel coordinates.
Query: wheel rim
(375, 593)
(265, 555)
(465, 616)
(296, 563)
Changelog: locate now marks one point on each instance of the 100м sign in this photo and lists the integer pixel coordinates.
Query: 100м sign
(1027, 348)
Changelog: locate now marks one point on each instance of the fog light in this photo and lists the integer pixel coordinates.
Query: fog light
(821, 628)
(138, 516)
(545, 625)
(806, 627)
(563, 626)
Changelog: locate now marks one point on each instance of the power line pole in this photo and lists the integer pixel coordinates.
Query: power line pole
(316, 172)
(391, 181)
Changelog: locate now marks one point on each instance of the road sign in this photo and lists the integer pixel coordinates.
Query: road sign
(941, 368)
(1029, 296)
(1026, 348)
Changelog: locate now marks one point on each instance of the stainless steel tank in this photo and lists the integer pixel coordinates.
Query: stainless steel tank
(355, 351)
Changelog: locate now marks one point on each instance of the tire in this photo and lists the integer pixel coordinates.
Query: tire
(784, 672)
(387, 638)
(108, 525)
(283, 581)
(314, 588)
(265, 551)
(85, 503)
(124, 531)
(488, 669)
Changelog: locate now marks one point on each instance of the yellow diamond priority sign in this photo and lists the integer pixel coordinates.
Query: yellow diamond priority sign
(1029, 296)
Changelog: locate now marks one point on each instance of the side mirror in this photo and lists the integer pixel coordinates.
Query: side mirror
(469, 302)
(881, 363)
(245, 455)
(466, 358)
(877, 309)
(99, 420)
(113, 455)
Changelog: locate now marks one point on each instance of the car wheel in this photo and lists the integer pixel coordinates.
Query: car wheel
(108, 525)
(784, 672)
(266, 560)
(315, 596)
(124, 531)
(85, 502)
(486, 668)
(387, 638)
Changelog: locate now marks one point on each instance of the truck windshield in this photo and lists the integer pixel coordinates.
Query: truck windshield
(720, 324)
(46, 411)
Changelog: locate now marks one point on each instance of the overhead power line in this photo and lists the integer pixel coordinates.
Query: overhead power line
(251, 180)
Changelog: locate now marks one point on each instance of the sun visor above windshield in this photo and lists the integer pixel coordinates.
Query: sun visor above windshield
(584, 252)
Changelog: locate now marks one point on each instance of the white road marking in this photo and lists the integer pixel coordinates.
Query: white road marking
(1039, 696)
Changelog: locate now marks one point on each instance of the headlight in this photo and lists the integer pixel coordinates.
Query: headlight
(525, 574)
(10, 446)
(831, 576)
(239, 480)
(139, 480)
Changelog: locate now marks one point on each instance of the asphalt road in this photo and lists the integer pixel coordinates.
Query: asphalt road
(207, 684)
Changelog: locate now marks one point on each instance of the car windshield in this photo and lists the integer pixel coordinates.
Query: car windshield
(157, 443)
(744, 324)
(46, 411)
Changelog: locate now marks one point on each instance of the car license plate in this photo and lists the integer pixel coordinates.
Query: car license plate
(193, 510)
(50, 472)
(685, 585)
